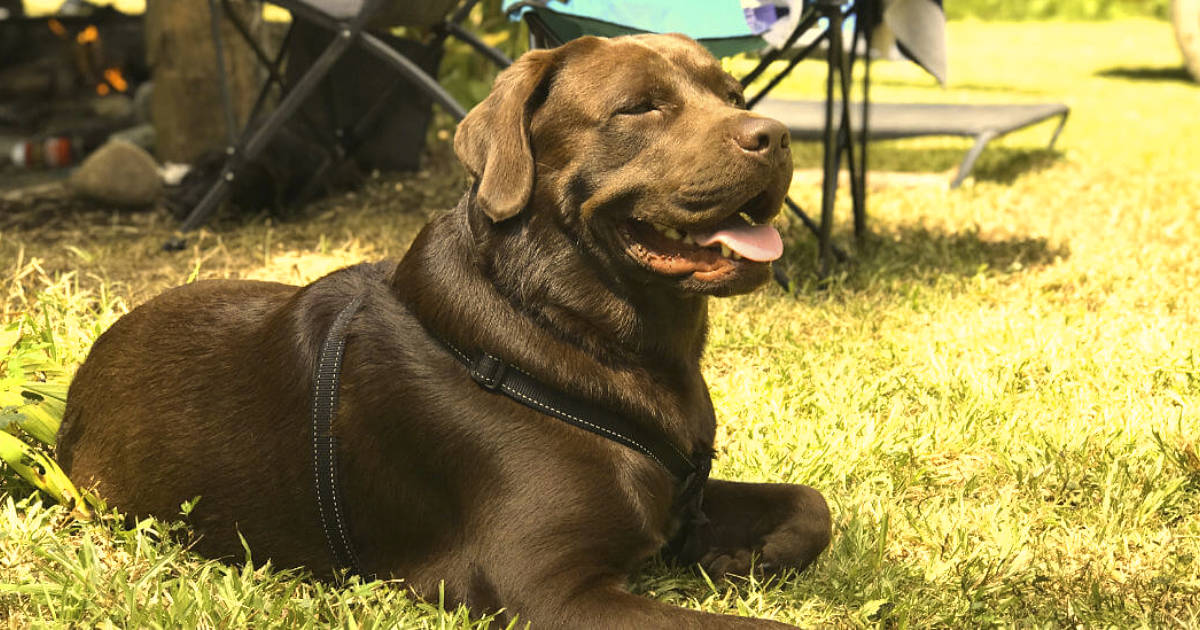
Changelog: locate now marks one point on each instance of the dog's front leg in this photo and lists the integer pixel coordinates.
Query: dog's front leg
(785, 525)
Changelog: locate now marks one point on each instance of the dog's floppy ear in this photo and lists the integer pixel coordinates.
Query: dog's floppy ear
(493, 140)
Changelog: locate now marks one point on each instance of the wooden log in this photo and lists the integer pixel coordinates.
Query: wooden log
(186, 108)
(1186, 16)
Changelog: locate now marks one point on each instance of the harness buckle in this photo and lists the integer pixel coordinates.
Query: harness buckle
(488, 371)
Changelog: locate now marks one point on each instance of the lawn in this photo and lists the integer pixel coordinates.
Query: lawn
(1000, 398)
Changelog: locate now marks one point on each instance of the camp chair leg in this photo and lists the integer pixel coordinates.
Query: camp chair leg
(491, 52)
(248, 38)
(274, 78)
(1062, 122)
(832, 150)
(256, 138)
(263, 134)
(860, 202)
(968, 163)
(781, 277)
(835, 140)
(350, 141)
(812, 226)
(274, 68)
(846, 134)
(807, 20)
(805, 23)
(214, 19)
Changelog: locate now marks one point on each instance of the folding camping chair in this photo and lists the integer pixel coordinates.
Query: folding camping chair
(347, 22)
(725, 28)
(918, 29)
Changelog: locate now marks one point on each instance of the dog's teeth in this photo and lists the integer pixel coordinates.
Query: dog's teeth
(736, 256)
(661, 229)
(725, 251)
(673, 234)
(688, 240)
(746, 217)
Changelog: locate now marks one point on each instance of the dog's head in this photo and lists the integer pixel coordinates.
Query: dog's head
(643, 149)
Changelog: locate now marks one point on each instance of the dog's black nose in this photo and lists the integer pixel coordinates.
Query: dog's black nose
(756, 134)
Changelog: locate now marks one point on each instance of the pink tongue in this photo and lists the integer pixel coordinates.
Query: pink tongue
(760, 243)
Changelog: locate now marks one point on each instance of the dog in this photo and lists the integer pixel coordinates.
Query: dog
(616, 186)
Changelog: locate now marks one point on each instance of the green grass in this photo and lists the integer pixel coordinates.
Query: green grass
(1055, 9)
(999, 398)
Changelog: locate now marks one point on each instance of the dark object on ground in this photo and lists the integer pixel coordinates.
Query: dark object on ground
(984, 123)
(350, 123)
(1185, 14)
(590, 272)
(271, 182)
(119, 173)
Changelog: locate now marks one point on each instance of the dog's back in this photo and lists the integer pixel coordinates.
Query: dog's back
(204, 391)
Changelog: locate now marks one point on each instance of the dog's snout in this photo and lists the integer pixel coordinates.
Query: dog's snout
(762, 136)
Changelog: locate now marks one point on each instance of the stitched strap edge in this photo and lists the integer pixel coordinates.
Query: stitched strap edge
(324, 445)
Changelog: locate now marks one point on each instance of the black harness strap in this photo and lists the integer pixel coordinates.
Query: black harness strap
(324, 446)
(496, 376)
(493, 374)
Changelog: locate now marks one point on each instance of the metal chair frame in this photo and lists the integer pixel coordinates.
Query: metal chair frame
(348, 32)
(837, 138)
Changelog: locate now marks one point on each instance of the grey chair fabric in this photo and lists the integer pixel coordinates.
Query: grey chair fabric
(336, 9)
(919, 26)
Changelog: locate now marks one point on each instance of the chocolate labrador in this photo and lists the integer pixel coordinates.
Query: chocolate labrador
(617, 184)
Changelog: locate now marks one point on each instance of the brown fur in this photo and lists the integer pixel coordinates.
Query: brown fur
(205, 390)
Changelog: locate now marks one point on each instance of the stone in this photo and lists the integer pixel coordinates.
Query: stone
(142, 135)
(113, 106)
(119, 173)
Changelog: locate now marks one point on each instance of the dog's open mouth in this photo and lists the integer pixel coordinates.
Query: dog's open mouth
(706, 253)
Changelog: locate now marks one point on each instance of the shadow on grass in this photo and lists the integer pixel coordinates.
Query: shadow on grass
(893, 256)
(1006, 164)
(998, 163)
(1145, 73)
(931, 84)
(950, 581)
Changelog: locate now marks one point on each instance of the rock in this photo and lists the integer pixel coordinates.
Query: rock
(142, 135)
(117, 106)
(142, 97)
(118, 173)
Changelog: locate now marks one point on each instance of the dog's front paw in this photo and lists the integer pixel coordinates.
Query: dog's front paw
(718, 563)
(789, 534)
(800, 538)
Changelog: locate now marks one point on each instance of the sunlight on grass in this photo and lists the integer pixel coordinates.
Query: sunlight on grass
(999, 397)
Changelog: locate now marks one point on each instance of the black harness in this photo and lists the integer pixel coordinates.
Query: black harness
(324, 446)
(496, 376)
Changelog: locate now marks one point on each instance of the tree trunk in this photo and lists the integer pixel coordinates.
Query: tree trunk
(187, 108)
(1186, 16)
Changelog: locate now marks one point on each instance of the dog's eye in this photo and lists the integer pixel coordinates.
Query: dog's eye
(737, 100)
(644, 107)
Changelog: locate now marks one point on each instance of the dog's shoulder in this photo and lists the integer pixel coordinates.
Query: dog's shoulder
(362, 278)
(359, 288)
